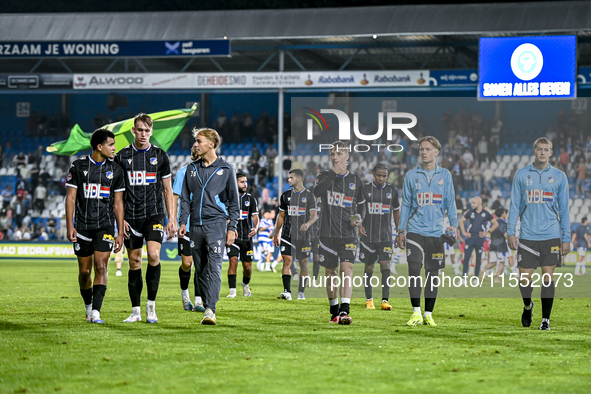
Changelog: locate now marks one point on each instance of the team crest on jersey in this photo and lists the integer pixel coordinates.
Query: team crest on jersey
(550, 180)
(192, 244)
(181, 246)
(408, 251)
(303, 199)
(472, 215)
(109, 175)
(321, 257)
(153, 161)
(362, 256)
(388, 195)
(69, 178)
(77, 247)
(518, 257)
(352, 186)
(483, 214)
(220, 172)
(246, 203)
(440, 181)
(283, 248)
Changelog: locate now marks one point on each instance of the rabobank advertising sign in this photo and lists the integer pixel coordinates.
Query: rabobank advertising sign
(521, 68)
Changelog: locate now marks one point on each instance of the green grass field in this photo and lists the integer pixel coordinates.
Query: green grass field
(266, 345)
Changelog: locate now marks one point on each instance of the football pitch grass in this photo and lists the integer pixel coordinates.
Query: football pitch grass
(266, 345)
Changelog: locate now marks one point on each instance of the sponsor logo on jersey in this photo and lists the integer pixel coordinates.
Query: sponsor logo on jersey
(85, 173)
(352, 186)
(69, 178)
(95, 191)
(377, 208)
(350, 247)
(437, 256)
(387, 249)
(555, 249)
(249, 253)
(243, 214)
(429, 198)
(108, 238)
(339, 199)
(306, 249)
(539, 196)
(158, 227)
(129, 161)
(220, 172)
(153, 161)
(141, 178)
(109, 174)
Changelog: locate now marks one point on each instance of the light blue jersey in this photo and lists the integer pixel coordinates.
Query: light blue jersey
(427, 197)
(540, 200)
(177, 188)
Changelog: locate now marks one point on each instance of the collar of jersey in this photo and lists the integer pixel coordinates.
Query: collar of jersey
(97, 163)
(215, 162)
(374, 185)
(296, 192)
(344, 175)
(436, 169)
(143, 150)
(532, 167)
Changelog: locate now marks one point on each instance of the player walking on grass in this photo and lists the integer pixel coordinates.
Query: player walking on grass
(247, 227)
(95, 187)
(498, 244)
(539, 197)
(210, 196)
(376, 232)
(300, 205)
(427, 196)
(583, 242)
(343, 210)
(148, 186)
(266, 249)
(184, 247)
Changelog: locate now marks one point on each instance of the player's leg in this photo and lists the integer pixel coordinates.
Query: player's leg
(184, 250)
(479, 250)
(316, 267)
(526, 289)
(395, 259)
(431, 290)
(368, 257)
(215, 238)
(547, 295)
(135, 283)
(99, 288)
(119, 261)
(347, 252)
(198, 306)
(286, 275)
(232, 269)
(329, 260)
(469, 248)
(304, 276)
(246, 256)
(199, 260)
(385, 270)
(415, 256)
(153, 272)
(85, 283)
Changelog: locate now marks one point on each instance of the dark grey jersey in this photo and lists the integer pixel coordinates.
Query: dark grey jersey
(96, 185)
(144, 171)
(381, 203)
(498, 243)
(297, 207)
(248, 208)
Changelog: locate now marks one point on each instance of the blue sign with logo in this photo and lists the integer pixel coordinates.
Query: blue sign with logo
(519, 68)
(114, 49)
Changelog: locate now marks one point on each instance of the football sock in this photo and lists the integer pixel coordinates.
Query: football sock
(135, 286)
(316, 269)
(334, 307)
(367, 279)
(345, 305)
(86, 296)
(431, 290)
(548, 292)
(428, 313)
(526, 294)
(153, 281)
(385, 287)
(303, 284)
(286, 282)
(185, 278)
(293, 268)
(577, 268)
(245, 279)
(98, 294)
(414, 285)
(232, 281)
(198, 300)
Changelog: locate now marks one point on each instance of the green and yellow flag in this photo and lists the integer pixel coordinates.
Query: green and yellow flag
(167, 126)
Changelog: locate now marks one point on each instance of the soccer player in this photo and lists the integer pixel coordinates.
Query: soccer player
(148, 187)
(214, 209)
(247, 228)
(539, 197)
(376, 243)
(314, 241)
(343, 210)
(498, 244)
(475, 233)
(427, 196)
(450, 251)
(266, 228)
(300, 205)
(583, 242)
(184, 247)
(95, 193)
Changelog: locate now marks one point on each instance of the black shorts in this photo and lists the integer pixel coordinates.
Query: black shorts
(302, 249)
(333, 251)
(534, 254)
(314, 247)
(242, 249)
(150, 229)
(98, 240)
(371, 252)
(427, 251)
(185, 245)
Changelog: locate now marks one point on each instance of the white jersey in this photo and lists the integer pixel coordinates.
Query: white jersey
(265, 235)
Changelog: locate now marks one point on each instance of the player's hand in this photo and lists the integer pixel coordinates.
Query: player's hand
(182, 230)
(171, 229)
(230, 237)
(453, 229)
(482, 234)
(72, 234)
(304, 227)
(362, 231)
(125, 229)
(356, 223)
(275, 240)
(252, 232)
(565, 248)
(340, 167)
(467, 235)
(118, 243)
(513, 243)
(400, 241)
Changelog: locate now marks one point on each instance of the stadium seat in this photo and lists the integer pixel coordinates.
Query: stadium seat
(577, 202)
(584, 210)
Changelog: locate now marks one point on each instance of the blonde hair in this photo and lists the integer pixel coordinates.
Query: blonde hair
(432, 140)
(543, 140)
(338, 144)
(144, 118)
(208, 133)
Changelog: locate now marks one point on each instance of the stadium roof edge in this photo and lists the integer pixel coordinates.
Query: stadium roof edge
(479, 19)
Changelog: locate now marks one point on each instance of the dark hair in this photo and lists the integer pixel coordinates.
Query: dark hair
(297, 172)
(380, 166)
(499, 212)
(584, 219)
(240, 174)
(144, 118)
(99, 137)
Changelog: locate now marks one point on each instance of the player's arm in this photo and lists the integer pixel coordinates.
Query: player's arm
(463, 228)
(278, 226)
(514, 211)
(361, 203)
(233, 206)
(450, 201)
(564, 215)
(254, 214)
(313, 216)
(70, 206)
(404, 212)
(185, 206)
(494, 225)
(323, 182)
(168, 200)
(119, 217)
(395, 207)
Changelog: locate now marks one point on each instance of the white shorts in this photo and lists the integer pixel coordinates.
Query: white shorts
(449, 250)
(499, 257)
(582, 251)
(267, 246)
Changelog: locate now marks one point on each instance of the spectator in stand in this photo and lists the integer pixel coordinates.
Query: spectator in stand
(493, 149)
(222, 125)
(20, 160)
(256, 153)
(459, 203)
(482, 149)
(564, 157)
(271, 152)
(51, 223)
(8, 152)
(40, 196)
(247, 124)
(98, 122)
(485, 195)
(6, 196)
(476, 176)
(18, 209)
(34, 176)
(581, 172)
(496, 203)
(42, 124)
(467, 172)
(496, 130)
(495, 192)
(261, 127)
(457, 175)
(468, 157)
(37, 156)
(2, 156)
(489, 175)
(62, 231)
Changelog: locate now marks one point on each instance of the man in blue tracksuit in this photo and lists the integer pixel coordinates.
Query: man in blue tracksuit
(210, 196)
(427, 197)
(539, 198)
